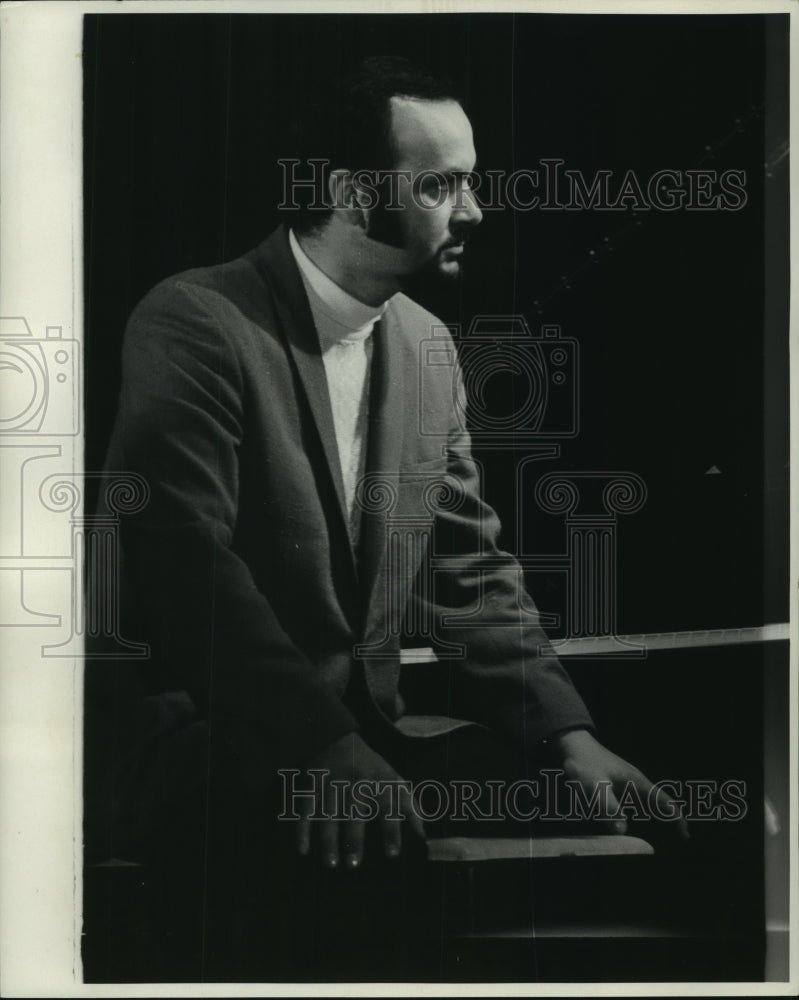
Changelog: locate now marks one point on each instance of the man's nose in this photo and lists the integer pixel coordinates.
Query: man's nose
(466, 208)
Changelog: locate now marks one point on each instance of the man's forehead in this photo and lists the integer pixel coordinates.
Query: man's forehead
(431, 135)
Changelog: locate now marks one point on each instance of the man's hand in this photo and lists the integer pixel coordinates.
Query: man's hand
(340, 823)
(588, 762)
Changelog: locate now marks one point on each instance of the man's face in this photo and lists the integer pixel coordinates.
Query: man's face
(433, 142)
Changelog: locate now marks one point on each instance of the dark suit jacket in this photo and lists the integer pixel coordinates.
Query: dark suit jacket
(240, 567)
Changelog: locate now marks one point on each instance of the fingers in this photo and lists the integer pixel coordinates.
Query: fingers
(352, 837)
(328, 842)
(339, 838)
(661, 806)
(393, 818)
(648, 802)
(616, 822)
(669, 809)
(391, 832)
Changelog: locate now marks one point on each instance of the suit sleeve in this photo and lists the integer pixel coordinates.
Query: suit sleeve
(180, 424)
(510, 678)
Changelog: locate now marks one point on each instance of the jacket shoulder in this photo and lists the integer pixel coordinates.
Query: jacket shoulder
(230, 285)
(417, 323)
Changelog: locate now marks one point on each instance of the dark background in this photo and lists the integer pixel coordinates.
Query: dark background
(682, 325)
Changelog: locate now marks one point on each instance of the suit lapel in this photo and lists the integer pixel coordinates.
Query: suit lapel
(386, 424)
(297, 324)
(386, 409)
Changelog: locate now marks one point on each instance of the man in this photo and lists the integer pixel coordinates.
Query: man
(273, 406)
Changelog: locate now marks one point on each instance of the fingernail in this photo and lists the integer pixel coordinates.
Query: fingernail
(352, 861)
(392, 851)
(332, 861)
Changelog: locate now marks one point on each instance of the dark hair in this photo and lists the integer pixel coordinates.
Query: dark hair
(350, 126)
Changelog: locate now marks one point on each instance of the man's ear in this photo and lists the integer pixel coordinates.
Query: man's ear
(350, 197)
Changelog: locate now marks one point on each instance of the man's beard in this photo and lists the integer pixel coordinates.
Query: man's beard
(385, 227)
(432, 286)
(431, 276)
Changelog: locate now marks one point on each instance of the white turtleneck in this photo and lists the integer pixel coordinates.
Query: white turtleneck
(344, 326)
